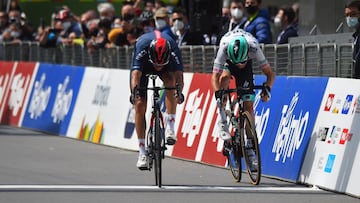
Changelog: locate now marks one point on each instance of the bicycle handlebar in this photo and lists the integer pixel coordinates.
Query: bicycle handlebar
(157, 88)
(220, 93)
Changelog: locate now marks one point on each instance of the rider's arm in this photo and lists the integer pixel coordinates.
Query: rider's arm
(270, 75)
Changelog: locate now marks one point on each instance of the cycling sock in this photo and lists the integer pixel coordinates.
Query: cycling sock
(221, 110)
(170, 121)
(142, 150)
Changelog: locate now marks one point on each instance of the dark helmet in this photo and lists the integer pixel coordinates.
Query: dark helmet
(237, 50)
(159, 52)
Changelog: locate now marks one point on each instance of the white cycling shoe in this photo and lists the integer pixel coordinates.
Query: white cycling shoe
(170, 137)
(224, 131)
(142, 162)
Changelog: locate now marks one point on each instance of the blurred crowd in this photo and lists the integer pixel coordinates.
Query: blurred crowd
(102, 27)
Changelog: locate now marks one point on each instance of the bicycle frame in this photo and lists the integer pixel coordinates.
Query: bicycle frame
(242, 129)
(155, 138)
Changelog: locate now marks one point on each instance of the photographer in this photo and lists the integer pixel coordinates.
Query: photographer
(48, 36)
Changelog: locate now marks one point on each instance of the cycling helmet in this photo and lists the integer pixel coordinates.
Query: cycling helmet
(159, 52)
(237, 50)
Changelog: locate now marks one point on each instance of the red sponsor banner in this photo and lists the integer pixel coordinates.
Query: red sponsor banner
(197, 137)
(17, 94)
(6, 69)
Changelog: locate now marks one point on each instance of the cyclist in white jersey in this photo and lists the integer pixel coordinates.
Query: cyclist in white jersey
(234, 57)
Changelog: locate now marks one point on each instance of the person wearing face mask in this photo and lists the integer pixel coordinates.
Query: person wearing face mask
(284, 20)
(181, 29)
(258, 23)
(237, 19)
(352, 14)
(162, 22)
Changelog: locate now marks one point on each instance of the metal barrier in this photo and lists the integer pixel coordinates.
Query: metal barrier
(313, 59)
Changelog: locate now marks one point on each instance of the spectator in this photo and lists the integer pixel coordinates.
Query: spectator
(14, 5)
(258, 21)
(101, 40)
(70, 25)
(49, 36)
(237, 18)
(85, 20)
(127, 11)
(181, 28)
(106, 10)
(150, 6)
(352, 14)
(92, 27)
(13, 33)
(4, 21)
(162, 22)
(285, 19)
(147, 21)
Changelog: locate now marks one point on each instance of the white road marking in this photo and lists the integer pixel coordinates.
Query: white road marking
(154, 188)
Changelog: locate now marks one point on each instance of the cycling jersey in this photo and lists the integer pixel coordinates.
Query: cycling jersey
(221, 61)
(141, 61)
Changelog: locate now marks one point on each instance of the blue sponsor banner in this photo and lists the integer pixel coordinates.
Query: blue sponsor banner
(293, 108)
(53, 97)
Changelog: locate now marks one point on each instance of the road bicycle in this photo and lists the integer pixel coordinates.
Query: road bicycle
(244, 143)
(155, 137)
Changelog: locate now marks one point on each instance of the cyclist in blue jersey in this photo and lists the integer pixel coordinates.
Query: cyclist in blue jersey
(155, 53)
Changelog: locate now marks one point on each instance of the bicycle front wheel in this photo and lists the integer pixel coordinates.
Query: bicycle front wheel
(234, 157)
(250, 148)
(158, 149)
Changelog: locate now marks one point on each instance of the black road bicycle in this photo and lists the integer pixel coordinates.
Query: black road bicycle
(244, 142)
(155, 137)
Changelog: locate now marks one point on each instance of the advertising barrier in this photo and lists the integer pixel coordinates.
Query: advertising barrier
(308, 132)
(333, 158)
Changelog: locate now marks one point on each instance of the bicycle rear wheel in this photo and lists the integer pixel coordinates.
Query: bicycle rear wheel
(158, 150)
(250, 148)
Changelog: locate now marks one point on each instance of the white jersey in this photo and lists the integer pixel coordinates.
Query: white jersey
(255, 51)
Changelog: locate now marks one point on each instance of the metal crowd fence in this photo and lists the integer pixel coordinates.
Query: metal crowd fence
(314, 59)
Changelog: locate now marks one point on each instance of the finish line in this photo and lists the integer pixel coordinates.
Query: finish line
(135, 188)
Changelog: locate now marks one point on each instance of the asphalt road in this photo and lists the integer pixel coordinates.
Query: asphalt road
(39, 168)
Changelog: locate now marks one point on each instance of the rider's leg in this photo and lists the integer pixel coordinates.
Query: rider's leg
(140, 123)
(224, 81)
(170, 101)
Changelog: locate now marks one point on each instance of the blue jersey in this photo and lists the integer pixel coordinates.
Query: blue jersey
(141, 57)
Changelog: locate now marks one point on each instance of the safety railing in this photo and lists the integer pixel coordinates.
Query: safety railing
(314, 59)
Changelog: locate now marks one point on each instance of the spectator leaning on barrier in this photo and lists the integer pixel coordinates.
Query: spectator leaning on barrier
(284, 20)
(352, 14)
(71, 27)
(258, 21)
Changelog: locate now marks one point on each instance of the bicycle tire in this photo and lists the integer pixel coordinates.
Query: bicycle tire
(234, 160)
(158, 150)
(233, 151)
(248, 130)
